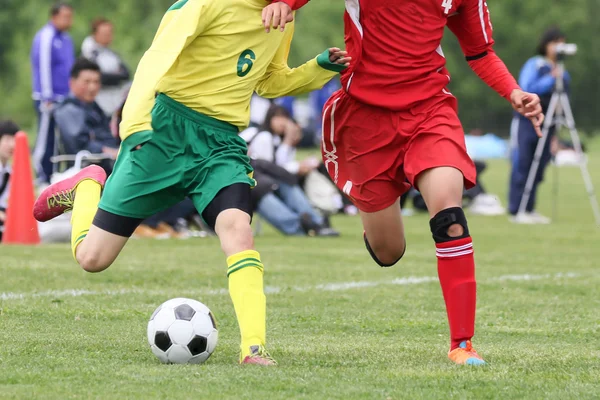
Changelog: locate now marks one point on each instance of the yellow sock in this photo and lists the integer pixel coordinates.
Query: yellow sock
(87, 197)
(245, 273)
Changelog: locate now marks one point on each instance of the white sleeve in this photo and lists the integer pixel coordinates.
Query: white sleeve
(286, 157)
(88, 48)
(261, 147)
(45, 66)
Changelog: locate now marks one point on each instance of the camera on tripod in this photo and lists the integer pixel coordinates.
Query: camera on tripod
(566, 49)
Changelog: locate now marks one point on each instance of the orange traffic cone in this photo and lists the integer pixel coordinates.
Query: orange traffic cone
(20, 226)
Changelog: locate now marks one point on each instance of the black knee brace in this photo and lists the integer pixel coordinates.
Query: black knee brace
(445, 219)
(374, 257)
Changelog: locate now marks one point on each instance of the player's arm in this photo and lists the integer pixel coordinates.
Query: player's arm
(281, 80)
(279, 12)
(184, 21)
(473, 28)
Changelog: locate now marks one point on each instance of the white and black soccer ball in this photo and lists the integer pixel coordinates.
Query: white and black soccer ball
(182, 331)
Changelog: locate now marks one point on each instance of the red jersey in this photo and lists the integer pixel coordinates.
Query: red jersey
(395, 45)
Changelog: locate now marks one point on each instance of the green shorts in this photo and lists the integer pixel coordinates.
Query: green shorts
(186, 154)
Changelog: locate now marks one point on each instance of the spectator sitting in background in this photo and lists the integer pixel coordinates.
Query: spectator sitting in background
(115, 75)
(276, 141)
(279, 200)
(8, 129)
(81, 122)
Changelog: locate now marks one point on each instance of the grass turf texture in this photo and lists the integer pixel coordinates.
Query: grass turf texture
(384, 338)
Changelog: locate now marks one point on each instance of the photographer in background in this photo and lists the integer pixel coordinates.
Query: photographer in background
(538, 76)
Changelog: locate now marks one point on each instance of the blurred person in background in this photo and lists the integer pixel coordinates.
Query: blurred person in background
(538, 76)
(8, 129)
(276, 140)
(52, 56)
(80, 120)
(115, 74)
(281, 202)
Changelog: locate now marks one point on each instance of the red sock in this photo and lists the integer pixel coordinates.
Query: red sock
(456, 270)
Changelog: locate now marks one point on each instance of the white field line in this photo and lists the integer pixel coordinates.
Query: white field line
(328, 287)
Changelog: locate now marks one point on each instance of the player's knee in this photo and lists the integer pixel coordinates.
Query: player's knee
(455, 230)
(235, 234)
(449, 224)
(386, 254)
(92, 262)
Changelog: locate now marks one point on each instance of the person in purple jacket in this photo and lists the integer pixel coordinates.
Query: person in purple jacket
(52, 56)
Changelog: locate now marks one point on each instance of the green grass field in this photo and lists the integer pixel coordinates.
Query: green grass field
(340, 327)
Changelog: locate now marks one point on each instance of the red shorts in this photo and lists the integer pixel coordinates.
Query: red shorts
(374, 154)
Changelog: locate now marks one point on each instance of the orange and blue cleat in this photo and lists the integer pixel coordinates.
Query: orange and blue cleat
(259, 356)
(465, 354)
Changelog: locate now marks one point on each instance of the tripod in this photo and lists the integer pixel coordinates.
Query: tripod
(559, 114)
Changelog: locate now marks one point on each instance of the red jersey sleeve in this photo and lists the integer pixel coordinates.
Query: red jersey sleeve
(294, 4)
(473, 29)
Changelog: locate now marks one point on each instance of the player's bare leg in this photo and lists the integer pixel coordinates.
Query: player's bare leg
(99, 249)
(245, 275)
(234, 231)
(93, 248)
(442, 190)
(384, 235)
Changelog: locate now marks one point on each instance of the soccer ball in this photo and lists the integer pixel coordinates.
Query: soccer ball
(182, 331)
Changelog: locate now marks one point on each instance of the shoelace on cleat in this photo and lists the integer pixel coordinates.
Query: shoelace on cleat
(263, 353)
(469, 349)
(64, 198)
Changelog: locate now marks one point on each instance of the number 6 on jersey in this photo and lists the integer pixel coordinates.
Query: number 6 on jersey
(447, 4)
(245, 62)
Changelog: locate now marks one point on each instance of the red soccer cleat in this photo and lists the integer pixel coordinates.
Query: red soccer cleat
(259, 356)
(58, 198)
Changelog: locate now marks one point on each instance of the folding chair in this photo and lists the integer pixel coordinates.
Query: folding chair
(65, 165)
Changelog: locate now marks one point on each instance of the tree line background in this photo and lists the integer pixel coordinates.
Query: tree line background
(517, 26)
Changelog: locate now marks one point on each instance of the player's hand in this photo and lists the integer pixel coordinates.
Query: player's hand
(2, 216)
(277, 15)
(339, 56)
(528, 105)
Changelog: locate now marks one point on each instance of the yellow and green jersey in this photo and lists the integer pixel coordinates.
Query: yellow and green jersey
(211, 55)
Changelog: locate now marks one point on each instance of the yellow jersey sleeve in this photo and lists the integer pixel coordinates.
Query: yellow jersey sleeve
(182, 23)
(281, 80)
